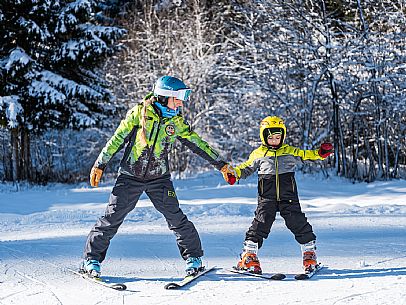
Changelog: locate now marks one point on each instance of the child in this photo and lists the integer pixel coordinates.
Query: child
(277, 192)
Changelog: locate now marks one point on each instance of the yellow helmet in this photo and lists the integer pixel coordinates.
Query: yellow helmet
(271, 124)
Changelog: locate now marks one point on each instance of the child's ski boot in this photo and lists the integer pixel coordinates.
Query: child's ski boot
(309, 256)
(249, 260)
(91, 267)
(193, 265)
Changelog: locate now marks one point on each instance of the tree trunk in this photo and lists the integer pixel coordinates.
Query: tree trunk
(398, 146)
(371, 170)
(20, 154)
(25, 154)
(396, 165)
(15, 169)
(386, 151)
(378, 138)
(336, 138)
(343, 153)
(338, 132)
(6, 157)
(354, 151)
(355, 131)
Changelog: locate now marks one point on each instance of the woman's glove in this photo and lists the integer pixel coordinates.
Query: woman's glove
(95, 175)
(229, 174)
(325, 150)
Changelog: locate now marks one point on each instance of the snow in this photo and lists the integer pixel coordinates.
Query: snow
(361, 231)
(18, 58)
(13, 109)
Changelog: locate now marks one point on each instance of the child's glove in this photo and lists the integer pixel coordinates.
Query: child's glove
(229, 174)
(325, 150)
(231, 179)
(95, 175)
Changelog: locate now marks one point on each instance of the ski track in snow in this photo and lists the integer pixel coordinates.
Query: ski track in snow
(361, 230)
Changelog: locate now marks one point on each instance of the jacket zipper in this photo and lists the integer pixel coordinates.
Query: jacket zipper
(262, 180)
(152, 148)
(277, 178)
(293, 184)
(152, 131)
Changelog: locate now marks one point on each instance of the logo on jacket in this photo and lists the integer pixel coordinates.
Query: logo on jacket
(170, 130)
(171, 194)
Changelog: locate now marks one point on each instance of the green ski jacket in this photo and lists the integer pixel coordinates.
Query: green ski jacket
(150, 161)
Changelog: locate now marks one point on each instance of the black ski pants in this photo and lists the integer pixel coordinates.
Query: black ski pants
(288, 206)
(123, 200)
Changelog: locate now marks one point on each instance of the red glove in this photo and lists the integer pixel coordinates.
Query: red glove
(231, 179)
(325, 150)
(229, 174)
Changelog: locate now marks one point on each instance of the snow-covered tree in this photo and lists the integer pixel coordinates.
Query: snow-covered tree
(377, 65)
(50, 55)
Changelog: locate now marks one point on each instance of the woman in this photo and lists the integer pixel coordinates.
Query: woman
(147, 133)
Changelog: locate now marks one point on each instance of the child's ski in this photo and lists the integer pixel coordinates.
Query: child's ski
(268, 276)
(188, 279)
(306, 276)
(100, 281)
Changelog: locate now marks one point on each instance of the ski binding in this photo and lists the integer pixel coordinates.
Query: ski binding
(306, 276)
(100, 281)
(188, 279)
(267, 276)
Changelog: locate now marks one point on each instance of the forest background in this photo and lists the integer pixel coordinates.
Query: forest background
(334, 70)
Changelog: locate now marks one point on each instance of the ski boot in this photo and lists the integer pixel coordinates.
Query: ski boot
(249, 260)
(193, 265)
(309, 256)
(91, 267)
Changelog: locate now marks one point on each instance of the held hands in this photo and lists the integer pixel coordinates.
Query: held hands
(326, 149)
(229, 174)
(95, 175)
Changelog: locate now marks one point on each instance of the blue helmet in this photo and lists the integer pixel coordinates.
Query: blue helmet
(169, 86)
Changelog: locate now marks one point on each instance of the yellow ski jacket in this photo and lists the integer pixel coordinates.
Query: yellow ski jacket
(273, 162)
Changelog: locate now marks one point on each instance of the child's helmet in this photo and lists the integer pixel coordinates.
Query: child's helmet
(269, 125)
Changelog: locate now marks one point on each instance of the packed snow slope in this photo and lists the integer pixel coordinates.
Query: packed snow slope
(360, 228)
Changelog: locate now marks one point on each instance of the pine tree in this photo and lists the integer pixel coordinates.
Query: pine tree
(50, 53)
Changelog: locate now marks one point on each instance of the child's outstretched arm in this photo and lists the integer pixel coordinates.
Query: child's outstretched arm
(325, 150)
(248, 167)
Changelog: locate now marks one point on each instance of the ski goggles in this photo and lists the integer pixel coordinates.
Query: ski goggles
(274, 131)
(182, 94)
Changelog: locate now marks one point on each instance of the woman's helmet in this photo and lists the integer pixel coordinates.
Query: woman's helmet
(169, 86)
(271, 125)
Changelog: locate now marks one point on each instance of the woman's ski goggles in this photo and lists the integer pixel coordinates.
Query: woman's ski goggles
(182, 94)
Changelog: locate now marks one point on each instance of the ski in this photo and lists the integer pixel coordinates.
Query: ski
(100, 280)
(188, 279)
(306, 276)
(267, 276)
